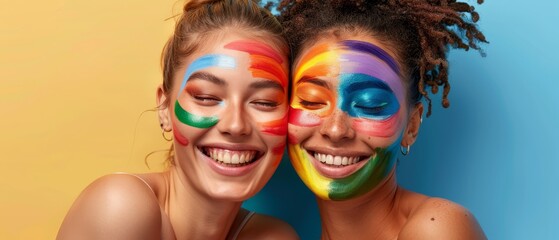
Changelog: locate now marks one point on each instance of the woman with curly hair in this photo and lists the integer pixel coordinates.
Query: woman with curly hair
(224, 97)
(359, 73)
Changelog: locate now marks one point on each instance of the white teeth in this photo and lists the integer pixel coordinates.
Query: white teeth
(335, 160)
(226, 157)
(329, 159)
(235, 159)
(229, 156)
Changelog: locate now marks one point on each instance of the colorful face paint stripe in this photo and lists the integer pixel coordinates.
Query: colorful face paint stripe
(366, 47)
(365, 64)
(256, 48)
(366, 178)
(323, 58)
(178, 136)
(263, 67)
(265, 61)
(303, 166)
(363, 180)
(385, 128)
(303, 118)
(279, 149)
(206, 61)
(315, 51)
(193, 120)
(276, 127)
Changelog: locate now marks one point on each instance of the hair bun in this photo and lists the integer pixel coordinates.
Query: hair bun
(194, 4)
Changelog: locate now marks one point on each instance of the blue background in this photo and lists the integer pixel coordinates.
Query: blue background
(494, 150)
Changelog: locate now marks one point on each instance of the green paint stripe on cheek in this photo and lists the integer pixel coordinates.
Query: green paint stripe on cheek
(193, 120)
(366, 178)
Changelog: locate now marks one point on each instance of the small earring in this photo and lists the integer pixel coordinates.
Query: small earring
(405, 152)
(420, 120)
(165, 137)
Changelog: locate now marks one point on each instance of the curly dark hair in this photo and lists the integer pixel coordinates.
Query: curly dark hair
(420, 31)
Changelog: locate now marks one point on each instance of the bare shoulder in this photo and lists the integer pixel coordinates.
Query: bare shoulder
(116, 206)
(438, 218)
(267, 228)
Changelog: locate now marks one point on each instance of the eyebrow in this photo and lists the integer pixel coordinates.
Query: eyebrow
(261, 84)
(208, 77)
(315, 81)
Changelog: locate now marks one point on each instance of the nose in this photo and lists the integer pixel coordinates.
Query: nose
(234, 121)
(337, 127)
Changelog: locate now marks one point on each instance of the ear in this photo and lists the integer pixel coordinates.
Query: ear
(410, 135)
(163, 109)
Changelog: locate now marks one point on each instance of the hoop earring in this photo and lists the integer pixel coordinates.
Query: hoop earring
(165, 137)
(406, 152)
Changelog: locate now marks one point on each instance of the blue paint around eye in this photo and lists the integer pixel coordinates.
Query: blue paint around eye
(206, 61)
(364, 96)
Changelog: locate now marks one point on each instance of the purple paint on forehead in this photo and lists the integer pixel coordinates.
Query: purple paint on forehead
(374, 50)
(372, 66)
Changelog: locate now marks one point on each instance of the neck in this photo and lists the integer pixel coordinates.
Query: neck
(194, 215)
(372, 214)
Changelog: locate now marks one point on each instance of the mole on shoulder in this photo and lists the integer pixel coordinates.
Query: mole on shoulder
(432, 219)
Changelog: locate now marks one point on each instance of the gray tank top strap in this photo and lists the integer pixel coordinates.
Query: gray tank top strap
(239, 223)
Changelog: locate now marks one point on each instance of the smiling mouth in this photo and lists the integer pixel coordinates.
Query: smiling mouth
(231, 158)
(336, 160)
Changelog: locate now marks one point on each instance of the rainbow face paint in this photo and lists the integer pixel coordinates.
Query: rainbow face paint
(363, 180)
(361, 80)
(206, 61)
(265, 63)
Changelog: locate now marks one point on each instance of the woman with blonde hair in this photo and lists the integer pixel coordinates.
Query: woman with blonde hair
(224, 97)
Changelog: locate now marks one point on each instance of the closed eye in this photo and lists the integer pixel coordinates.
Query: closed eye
(206, 100)
(311, 105)
(265, 105)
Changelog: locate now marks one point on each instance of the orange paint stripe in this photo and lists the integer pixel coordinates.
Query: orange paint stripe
(267, 64)
(315, 51)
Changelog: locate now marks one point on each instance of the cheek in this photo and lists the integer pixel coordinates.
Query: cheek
(185, 134)
(298, 134)
(378, 128)
(380, 133)
(275, 127)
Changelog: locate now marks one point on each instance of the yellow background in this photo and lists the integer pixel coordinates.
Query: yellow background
(74, 78)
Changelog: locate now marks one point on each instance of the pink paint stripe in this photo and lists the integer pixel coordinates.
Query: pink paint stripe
(384, 128)
(303, 118)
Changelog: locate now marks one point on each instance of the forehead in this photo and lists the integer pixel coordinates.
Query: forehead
(331, 43)
(342, 60)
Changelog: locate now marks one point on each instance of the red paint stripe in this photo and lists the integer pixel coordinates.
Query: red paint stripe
(257, 48)
(178, 136)
(279, 149)
(292, 139)
(276, 127)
